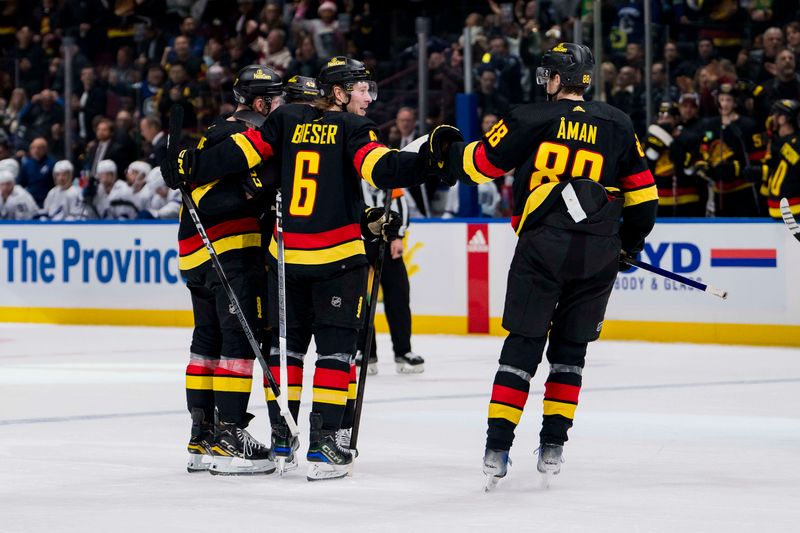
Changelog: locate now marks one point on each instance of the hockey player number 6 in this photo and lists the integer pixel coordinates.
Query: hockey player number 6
(551, 162)
(306, 165)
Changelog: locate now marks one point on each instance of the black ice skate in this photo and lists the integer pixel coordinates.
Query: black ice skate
(409, 363)
(327, 460)
(284, 446)
(237, 453)
(200, 443)
(495, 467)
(550, 460)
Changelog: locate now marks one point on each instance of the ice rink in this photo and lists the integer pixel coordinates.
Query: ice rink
(668, 437)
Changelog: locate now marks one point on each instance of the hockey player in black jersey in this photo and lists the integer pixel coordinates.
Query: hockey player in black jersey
(783, 164)
(322, 153)
(579, 169)
(220, 370)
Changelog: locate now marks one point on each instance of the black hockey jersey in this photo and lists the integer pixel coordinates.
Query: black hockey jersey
(731, 150)
(230, 219)
(321, 156)
(552, 142)
(784, 176)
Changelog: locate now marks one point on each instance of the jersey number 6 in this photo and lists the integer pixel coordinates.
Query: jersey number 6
(304, 186)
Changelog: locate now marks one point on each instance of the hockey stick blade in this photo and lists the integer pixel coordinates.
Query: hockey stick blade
(677, 277)
(789, 220)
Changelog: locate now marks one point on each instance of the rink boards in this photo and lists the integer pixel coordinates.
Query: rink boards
(126, 273)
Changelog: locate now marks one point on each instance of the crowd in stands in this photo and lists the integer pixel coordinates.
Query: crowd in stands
(133, 59)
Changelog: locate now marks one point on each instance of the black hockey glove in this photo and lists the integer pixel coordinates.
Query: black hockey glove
(374, 225)
(438, 144)
(623, 255)
(252, 185)
(178, 171)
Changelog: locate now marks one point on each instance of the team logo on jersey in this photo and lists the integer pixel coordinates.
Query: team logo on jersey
(336, 301)
(372, 136)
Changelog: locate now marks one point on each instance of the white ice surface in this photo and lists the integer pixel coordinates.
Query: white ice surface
(668, 437)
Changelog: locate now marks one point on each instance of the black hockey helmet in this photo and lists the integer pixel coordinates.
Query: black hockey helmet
(255, 81)
(301, 89)
(344, 72)
(788, 108)
(573, 62)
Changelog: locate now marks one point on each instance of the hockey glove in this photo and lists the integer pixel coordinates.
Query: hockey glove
(623, 255)
(252, 185)
(438, 144)
(374, 225)
(178, 171)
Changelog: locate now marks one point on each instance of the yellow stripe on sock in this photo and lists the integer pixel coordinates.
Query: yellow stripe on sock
(231, 384)
(294, 393)
(511, 414)
(335, 397)
(557, 408)
(200, 382)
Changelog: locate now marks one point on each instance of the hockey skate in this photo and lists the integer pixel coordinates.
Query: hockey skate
(284, 446)
(409, 363)
(372, 366)
(549, 463)
(237, 453)
(200, 443)
(495, 467)
(327, 460)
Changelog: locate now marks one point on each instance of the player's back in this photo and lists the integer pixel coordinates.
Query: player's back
(320, 187)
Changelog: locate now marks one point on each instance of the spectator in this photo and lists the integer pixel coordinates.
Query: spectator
(508, 68)
(37, 118)
(792, 31)
(10, 118)
(305, 62)
(628, 95)
(406, 121)
(155, 140)
(278, 56)
(672, 60)
(272, 16)
(123, 138)
(182, 55)
(92, 103)
(705, 55)
(188, 29)
(108, 197)
(179, 90)
(31, 59)
(15, 202)
(784, 85)
(103, 147)
(64, 201)
(150, 90)
(214, 91)
(760, 64)
(328, 39)
(489, 100)
(36, 174)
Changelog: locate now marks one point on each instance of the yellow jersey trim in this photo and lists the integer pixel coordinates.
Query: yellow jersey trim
(226, 244)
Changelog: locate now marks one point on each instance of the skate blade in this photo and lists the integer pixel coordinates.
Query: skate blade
(235, 466)
(323, 471)
(491, 482)
(198, 463)
(284, 465)
(403, 368)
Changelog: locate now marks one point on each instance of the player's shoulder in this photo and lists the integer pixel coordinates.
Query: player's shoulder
(604, 111)
(351, 121)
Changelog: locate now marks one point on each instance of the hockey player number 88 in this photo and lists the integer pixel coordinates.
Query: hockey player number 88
(304, 187)
(552, 159)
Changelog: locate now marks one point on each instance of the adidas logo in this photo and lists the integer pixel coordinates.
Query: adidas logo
(477, 243)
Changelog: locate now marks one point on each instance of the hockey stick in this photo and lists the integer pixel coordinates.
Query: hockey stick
(373, 305)
(789, 220)
(676, 277)
(175, 124)
(284, 368)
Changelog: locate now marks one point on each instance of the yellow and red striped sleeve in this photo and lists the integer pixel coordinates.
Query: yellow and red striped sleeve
(367, 157)
(476, 164)
(638, 188)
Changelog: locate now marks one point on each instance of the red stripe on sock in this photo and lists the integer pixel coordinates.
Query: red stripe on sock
(509, 396)
(561, 392)
(331, 379)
